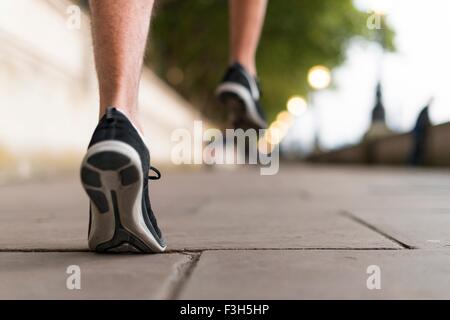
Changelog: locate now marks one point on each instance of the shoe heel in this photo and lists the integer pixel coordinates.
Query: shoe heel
(109, 177)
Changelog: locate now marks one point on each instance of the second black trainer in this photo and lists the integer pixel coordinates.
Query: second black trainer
(240, 93)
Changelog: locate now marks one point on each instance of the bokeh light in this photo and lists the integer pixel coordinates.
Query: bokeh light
(286, 117)
(297, 106)
(319, 77)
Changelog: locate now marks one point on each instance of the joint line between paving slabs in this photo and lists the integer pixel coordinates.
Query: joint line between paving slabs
(283, 249)
(377, 230)
(199, 251)
(179, 277)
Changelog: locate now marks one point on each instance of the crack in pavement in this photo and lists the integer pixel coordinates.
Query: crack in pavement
(179, 277)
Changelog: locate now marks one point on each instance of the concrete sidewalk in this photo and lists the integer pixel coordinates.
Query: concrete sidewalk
(308, 232)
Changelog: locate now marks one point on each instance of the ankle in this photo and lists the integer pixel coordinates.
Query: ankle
(131, 115)
(248, 64)
(134, 119)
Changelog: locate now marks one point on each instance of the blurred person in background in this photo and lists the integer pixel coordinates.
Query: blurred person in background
(115, 168)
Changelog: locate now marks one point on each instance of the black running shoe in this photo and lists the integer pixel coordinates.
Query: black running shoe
(114, 174)
(240, 93)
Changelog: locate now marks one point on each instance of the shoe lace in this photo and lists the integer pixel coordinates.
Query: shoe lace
(158, 174)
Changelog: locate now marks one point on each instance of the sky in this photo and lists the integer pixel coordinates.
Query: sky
(417, 71)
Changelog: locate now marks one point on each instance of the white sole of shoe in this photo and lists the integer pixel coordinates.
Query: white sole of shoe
(111, 174)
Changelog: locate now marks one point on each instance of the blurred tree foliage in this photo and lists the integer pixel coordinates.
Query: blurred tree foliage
(192, 36)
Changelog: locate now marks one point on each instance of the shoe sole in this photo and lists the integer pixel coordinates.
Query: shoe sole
(240, 104)
(111, 175)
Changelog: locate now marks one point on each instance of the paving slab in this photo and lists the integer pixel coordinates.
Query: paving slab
(282, 236)
(53, 195)
(394, 184)
(44, 215)
(43, 275)
(321, 274)
(196, 210)
(52, 215)
(272, 222)
(414, 208)
(425, 229)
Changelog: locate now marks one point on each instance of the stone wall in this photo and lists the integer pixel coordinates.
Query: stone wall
(395, 149)
(48, 91)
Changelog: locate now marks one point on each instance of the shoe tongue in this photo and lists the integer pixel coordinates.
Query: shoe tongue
(112, 110)
(237, 65)
(110, 113)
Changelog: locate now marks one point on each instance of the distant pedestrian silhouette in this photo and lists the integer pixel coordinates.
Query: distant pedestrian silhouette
(420, 133)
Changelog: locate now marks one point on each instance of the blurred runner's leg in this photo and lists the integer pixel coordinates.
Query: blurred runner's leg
(239, 90)
(246, 22)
